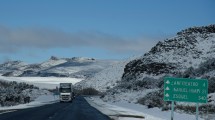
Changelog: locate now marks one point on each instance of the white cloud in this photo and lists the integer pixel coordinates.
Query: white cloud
(15, 39)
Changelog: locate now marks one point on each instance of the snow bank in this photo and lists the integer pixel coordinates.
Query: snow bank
(117, 112)
(131, 110)
(41, 100)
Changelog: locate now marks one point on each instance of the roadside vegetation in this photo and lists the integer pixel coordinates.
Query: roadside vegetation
(14, 93)
(204, 71)
(87, 91)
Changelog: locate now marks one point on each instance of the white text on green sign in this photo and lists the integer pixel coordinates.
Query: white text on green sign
(187, 90)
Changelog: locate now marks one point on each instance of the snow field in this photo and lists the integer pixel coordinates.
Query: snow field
(42, 82)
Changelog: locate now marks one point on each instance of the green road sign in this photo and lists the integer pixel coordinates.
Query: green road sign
(187, 90)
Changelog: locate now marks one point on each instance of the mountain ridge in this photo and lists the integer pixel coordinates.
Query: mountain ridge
(79, 67)
(174, 55)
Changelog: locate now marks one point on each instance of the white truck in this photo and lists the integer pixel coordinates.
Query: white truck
(66, 92)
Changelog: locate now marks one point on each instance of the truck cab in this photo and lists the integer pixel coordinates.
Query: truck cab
(66, 92)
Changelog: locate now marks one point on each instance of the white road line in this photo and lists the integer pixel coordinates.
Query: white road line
(7, 111)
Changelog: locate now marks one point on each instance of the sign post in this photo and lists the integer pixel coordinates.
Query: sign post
(197, 111)
(172, 111)
(185, 90)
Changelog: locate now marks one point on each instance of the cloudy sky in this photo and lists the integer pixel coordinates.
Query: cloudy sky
(34, 30)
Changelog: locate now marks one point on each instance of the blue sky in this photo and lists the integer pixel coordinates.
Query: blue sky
(33, 30)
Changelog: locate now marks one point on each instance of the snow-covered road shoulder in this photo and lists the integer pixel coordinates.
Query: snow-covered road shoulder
(130, 111)
(118, 113)
(41, 100)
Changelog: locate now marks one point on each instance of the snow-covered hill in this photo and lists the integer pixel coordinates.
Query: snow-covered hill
(15, 66)
(78, 67)
(53, 61)
(189, 48)
(107, 78)
(191, 53)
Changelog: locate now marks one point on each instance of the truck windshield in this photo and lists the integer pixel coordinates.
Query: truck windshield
(65, 90)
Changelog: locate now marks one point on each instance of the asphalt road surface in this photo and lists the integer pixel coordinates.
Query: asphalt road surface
(79, 109)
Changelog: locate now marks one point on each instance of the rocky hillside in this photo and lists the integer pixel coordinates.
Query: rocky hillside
(78, 67)
(190, 54)
(174, 57)
(188, 48)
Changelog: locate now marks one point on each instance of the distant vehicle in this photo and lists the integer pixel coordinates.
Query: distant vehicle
(66, 92)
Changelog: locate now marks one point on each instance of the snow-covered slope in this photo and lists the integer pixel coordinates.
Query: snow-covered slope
(190, 54)
(15, 66)
(78, 67)
(107, 78)
(188, 48)
(53, 61)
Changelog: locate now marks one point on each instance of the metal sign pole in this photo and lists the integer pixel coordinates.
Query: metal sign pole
(207, 111)
(172, 110)
(197, 111)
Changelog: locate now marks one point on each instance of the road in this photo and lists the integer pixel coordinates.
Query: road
(79, 109)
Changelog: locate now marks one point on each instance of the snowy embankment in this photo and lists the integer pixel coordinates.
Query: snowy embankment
(41, 100)
(38, 96)
(42, 82)
(130, 111)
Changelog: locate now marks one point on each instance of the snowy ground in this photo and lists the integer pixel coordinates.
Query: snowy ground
(42, 82)
(129, 96)
(41, 100)
(118, 113)
(131, 111)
